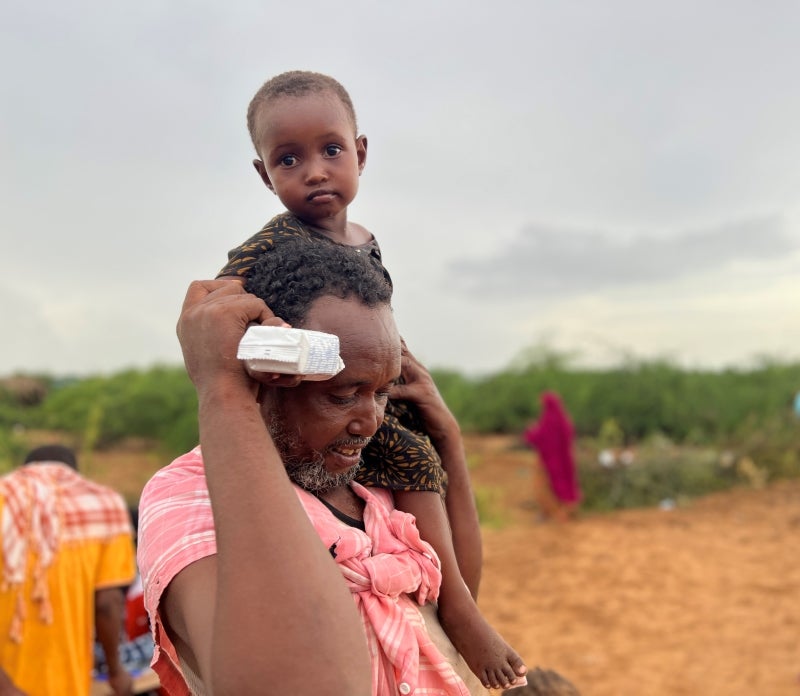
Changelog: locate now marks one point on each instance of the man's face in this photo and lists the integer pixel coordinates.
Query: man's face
(310, 155)
(321, 428)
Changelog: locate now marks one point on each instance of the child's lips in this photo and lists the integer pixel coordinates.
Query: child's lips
(321, 196)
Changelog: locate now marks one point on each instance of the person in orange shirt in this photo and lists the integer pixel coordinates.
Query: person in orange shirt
(66, 555)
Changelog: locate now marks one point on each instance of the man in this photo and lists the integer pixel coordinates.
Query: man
(67, 553)
(250, 600)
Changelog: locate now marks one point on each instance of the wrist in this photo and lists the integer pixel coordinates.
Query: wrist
(114, 667)
(228, 390)
(445, 433)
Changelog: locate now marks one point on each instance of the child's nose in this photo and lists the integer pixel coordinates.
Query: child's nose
(316, 172)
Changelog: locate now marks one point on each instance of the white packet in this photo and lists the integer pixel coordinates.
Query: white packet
(312, 354)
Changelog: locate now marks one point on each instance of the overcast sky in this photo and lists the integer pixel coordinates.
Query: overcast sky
(611, 179)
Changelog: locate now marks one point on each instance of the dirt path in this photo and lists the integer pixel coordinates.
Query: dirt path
(697, 601)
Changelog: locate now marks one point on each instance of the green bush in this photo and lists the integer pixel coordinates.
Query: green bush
(657, 475)
(12, 449)
(157, 404)
(674, 416)
(642, 398)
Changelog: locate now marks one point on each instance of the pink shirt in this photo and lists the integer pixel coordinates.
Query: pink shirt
(389, 570)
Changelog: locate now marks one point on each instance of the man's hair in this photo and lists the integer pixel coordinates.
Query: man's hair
(52, 453)
(295, 83)
(294, 273)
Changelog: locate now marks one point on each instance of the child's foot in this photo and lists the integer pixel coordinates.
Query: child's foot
(490, 658)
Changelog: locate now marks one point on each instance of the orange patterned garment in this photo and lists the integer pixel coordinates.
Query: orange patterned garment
(63, 538)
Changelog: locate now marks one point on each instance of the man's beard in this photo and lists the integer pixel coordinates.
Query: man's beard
(305, 467)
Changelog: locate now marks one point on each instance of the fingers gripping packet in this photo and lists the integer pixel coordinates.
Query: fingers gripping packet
(312, 354)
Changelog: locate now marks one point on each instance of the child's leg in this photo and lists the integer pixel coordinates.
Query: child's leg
(494, 662)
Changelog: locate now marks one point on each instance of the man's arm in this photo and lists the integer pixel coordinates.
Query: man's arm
(445, 434)
(109, 608)
(271, 610)
(7, 687)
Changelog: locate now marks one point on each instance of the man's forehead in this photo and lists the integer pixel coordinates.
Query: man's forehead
(348, 316)
(366, 334)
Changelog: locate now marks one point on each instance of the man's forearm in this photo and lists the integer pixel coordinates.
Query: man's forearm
(277, 586)
(108, 615)
(7, 687)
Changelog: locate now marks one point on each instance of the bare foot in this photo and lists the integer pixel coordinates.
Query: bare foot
(490, 658)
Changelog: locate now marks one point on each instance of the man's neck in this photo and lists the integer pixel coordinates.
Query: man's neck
(345, 501)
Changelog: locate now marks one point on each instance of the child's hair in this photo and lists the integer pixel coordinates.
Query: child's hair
(296, 83)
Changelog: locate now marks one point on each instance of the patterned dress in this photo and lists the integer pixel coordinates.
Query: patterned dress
(400, 456)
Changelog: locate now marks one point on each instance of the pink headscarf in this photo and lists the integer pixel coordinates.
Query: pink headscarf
(552, 437)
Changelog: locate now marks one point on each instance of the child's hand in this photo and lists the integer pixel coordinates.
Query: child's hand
(420, 389)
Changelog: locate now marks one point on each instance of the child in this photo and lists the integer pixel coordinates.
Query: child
(303, 127)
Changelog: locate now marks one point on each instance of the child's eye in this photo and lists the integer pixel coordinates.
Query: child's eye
(332, 150)
(288, 160)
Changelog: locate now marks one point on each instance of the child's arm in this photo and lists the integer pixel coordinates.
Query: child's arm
(461, 509)
(445, 434)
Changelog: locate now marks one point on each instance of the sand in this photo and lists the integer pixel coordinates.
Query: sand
(699, 600)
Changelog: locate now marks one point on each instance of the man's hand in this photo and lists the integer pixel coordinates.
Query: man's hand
(121, 683)
(214, 317)
(7, 687)
(420, 389)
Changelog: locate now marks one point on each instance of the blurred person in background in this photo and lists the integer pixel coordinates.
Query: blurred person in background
(66, 558)
(556, 488)
(136, 642)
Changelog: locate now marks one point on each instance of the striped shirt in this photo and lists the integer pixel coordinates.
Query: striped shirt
(390, 571)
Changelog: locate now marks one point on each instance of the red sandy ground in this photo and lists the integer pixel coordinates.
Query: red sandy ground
(697, 601)
(702, 600)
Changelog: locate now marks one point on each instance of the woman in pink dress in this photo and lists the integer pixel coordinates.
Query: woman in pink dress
(556, 486)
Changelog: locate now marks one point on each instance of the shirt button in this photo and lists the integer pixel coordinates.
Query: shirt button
(404, 688)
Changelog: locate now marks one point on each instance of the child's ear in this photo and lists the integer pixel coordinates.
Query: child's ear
(262, 172)
(361, 152)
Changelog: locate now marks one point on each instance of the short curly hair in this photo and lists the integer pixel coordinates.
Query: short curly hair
(52, 453)
(293, 274)
(296, 83)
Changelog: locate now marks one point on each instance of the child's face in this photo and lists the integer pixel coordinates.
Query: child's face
(310, 156)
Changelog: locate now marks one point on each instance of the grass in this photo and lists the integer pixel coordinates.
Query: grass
(661, 472)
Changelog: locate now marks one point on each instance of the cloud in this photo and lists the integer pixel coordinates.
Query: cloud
(545, 260)
(127, 170)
